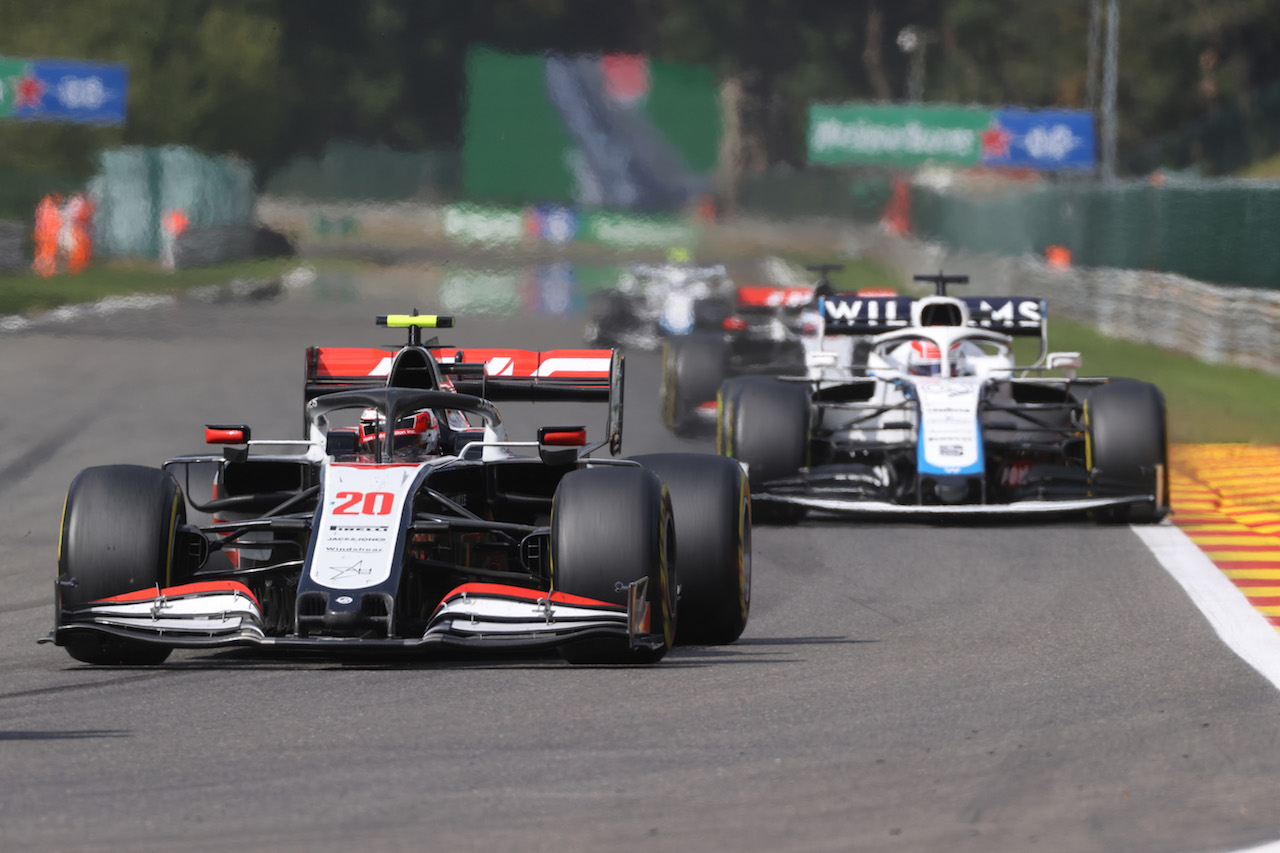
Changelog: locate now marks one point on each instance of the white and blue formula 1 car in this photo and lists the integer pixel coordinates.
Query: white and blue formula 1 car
(408, 520)
(654, 302)
(937, 419)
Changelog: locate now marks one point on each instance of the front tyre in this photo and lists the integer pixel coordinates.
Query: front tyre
(711, 503)
(119, 535)
(1127, 445)
(611, 526)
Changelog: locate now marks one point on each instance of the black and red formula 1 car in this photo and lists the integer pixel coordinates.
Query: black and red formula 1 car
(770, 333)
(407, 519)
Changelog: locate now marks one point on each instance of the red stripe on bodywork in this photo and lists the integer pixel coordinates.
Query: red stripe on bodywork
(186, 589)
(763, 296)
(526, 594)
(348, 361)
(525, 363)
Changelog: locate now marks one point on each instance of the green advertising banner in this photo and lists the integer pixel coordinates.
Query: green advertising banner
(868, 134)
(474, 223)
(12, 71)
(636, 231)
(619, 131)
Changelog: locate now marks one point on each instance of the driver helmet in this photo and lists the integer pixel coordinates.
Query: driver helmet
(416, 436)
(924, 359)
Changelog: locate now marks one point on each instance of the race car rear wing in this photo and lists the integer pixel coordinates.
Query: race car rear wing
(494, 374)
(765, 296)
(849, 314)
(497, 374)
(593, 375)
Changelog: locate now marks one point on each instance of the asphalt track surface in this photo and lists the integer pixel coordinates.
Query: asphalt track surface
(899, 687)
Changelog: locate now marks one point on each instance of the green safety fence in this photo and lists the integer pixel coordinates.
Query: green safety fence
(1221, 231)
(136, 186)
(353, 171)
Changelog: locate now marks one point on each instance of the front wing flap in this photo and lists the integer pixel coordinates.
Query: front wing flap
(855, 507)
(474, 615)
(843, 493)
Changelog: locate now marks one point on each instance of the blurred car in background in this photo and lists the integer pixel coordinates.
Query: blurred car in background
(655, 301)
(769, 334)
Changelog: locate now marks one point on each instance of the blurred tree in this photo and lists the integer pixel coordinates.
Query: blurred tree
(267, 79)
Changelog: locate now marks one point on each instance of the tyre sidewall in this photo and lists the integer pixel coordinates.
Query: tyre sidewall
(710, 499)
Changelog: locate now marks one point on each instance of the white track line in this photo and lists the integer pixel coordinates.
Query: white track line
(1245, 631)
(1240, 626)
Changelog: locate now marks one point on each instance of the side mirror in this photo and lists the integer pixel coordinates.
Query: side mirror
(559, 445)
(341, 443)
(226, 434)
(1067, 362)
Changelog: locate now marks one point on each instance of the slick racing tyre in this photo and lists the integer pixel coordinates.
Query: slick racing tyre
(711, 503)
(709, 314)
(611, 526)
(119, 534)
(692, 369)
(609, 314)
(1127, 444)
(764, 423)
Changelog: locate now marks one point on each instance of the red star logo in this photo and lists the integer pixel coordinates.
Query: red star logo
(995, 142)
(28, 93)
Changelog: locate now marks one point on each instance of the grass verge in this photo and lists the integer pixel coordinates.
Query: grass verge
(26, 293)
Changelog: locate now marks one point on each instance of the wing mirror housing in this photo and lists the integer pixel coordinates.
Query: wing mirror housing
(1067, 362)
(226, 434)
(341, 443)
(559, 445)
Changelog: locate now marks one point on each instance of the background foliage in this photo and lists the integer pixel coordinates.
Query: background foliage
(268, 79)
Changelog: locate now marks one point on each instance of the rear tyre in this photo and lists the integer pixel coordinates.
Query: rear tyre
(711, 503)
(612, 526)
(764, 423)
(710, 313)
(692, 369)
(609, 315)
(1127, 443)
(119, 535)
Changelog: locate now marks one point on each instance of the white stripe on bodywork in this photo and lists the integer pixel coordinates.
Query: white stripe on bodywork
(500, 366)
(552, 366)
(481, 614)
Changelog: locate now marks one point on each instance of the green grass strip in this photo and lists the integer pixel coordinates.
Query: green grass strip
(27, 293)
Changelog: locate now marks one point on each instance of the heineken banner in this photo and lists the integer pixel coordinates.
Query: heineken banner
(905, 136)
(618, 131)
(63, 90)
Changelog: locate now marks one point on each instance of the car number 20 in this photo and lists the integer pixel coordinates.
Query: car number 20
(364, 503)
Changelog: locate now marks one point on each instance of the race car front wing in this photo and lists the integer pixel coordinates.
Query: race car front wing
(855, 506)
(851, 493)
(474, 615)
